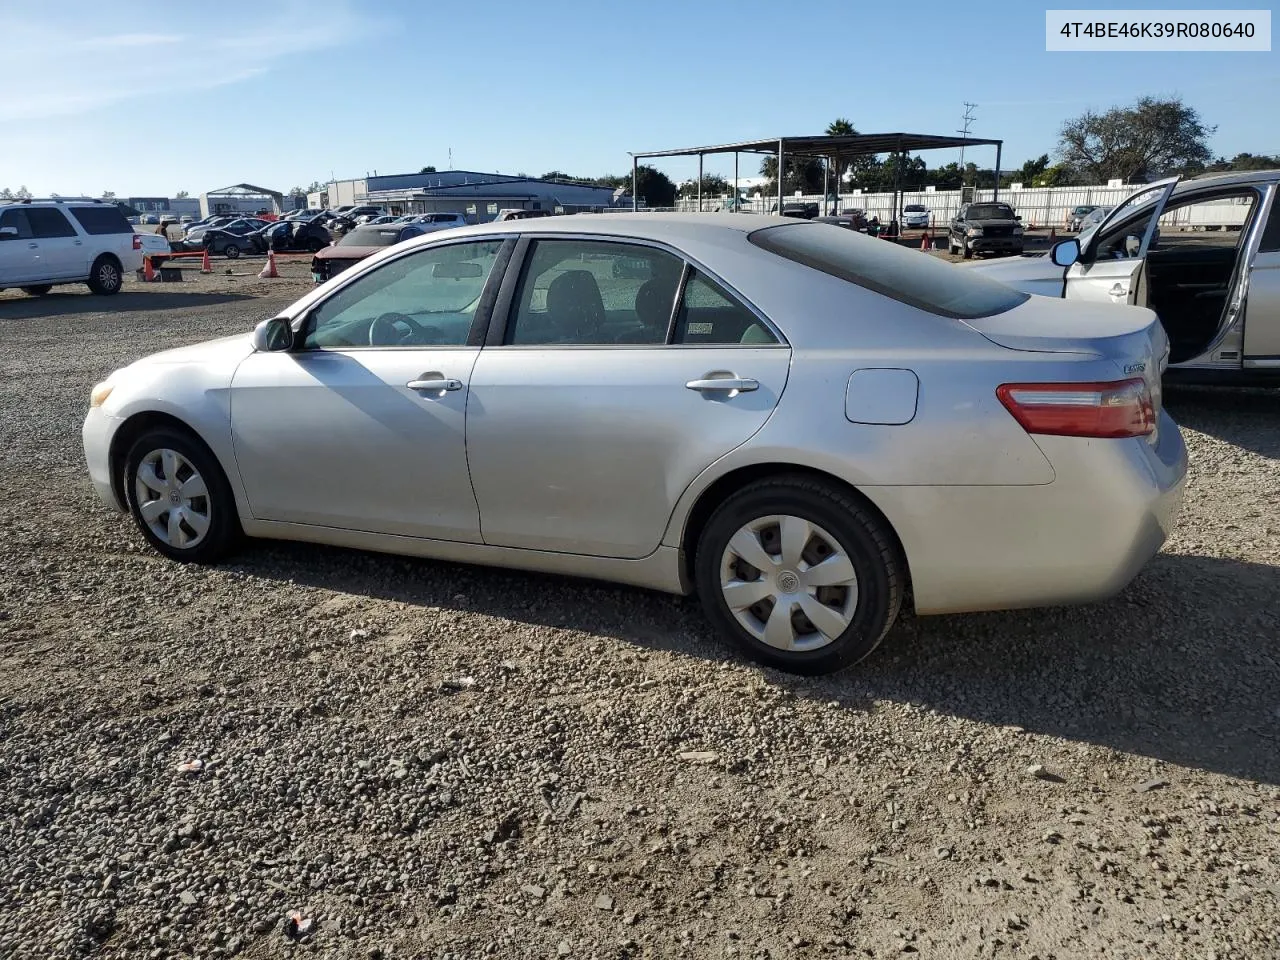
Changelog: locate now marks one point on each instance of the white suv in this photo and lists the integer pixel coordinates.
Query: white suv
(44, 243)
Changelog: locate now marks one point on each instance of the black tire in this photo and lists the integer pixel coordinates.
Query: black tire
(223, 533)
(314, 246)
(106, 277)
(39, 290)
(966, 251)
(231, 251)
(862, 536)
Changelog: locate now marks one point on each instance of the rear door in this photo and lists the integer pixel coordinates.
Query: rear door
(62, 252)
(18, 255)
(614, 373)
(1109, 269)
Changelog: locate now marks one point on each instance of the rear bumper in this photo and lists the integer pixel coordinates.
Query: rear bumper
(1079, 539)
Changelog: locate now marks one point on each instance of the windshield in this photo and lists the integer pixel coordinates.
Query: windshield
(370, 237)
(914, 208)
(990, 211)
(924, 282)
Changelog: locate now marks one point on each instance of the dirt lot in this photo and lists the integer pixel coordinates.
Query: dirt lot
(428, 760)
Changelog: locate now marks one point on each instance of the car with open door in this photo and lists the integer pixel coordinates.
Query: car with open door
(1203, 253)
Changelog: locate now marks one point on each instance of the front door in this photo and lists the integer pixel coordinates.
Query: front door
(1109, 269)
(598, 408)
(362, 427)
(17, 254)
(1262, 296)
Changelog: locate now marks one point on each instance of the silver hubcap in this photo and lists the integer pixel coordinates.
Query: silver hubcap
(107, 275)
(172, 498)
(789, 583)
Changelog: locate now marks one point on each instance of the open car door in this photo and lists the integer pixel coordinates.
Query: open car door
(1109, 267)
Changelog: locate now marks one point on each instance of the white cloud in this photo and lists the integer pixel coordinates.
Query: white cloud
(109, 68)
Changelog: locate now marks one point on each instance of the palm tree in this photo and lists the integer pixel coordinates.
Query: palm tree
(839, 127)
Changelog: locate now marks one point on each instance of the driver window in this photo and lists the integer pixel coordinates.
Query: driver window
(426, 298)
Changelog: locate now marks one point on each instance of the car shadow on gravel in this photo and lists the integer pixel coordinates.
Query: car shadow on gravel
(1182, 667)
(1245, 417)
(57, 304)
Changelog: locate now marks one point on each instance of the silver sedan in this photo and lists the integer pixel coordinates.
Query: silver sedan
(801, 424)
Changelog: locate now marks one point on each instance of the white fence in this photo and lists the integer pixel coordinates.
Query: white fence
(1038, 206)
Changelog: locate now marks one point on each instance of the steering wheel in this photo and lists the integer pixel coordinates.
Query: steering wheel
(383, 332)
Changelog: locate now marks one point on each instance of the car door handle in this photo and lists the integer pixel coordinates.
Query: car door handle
(435, 385)
(1119, 289)
(725, 384)
(34, 246)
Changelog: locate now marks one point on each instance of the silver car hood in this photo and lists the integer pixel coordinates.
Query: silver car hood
(231, 349)
(1035, 274)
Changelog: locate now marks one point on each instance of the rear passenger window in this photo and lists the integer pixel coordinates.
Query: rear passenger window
(1271, 236)
(17, 218)
(101, 219)
(47, 223)
(709, 314)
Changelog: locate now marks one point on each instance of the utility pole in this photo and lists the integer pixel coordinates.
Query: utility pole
(968, 119)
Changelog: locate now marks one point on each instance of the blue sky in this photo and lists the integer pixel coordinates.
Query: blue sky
(194, 96)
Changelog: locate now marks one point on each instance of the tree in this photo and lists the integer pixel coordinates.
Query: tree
(653, 187)
(181, 195)
(713, 185)
(23, 193)
(6, 194)
(840, 160)
(1150, 138)
(298, 192)
(425, 170)
(108, 194)
(802, 173)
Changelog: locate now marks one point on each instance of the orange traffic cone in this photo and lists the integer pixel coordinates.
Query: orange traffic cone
(205, 265)
(269, 271)
(147, 273)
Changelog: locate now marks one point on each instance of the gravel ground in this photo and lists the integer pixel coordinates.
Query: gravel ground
(429, 760)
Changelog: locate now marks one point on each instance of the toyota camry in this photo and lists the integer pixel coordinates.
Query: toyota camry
(800, 424)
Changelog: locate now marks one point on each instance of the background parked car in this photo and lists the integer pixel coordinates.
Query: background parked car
(985, 228)
(231, 239)
(1077, 214)
(290, 236)
(915, 215)
(360, 243)
(44, 243)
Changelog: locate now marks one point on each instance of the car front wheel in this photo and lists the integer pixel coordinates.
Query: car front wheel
(179, 497)
(231, 251)
(799, 574)
(966, 250)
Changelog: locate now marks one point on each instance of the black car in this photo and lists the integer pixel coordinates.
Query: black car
(290, 236)
(231, 239)
(985, 228)
(800, 211)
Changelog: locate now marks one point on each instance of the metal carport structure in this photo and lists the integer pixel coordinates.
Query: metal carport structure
(823, 147)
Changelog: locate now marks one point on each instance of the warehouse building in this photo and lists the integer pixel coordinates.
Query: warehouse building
(478, 195)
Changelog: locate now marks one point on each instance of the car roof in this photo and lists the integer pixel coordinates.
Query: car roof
(641, 226)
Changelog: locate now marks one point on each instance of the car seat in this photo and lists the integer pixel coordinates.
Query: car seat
(653, 310)
(575, 309)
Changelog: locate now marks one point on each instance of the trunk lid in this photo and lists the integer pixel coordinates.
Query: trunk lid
(1131, 337)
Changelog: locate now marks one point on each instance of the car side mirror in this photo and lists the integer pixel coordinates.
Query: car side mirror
(273, 335)
(1017, 218)
(1132, 245)
(1065, 252)
(8, 233)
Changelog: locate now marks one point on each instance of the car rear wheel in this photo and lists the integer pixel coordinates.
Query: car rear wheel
(231, 251)
(38, 291)
(799, 574)
(179, 497)
(106, 277)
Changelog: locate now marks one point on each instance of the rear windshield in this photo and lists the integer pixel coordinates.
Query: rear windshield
(990, 211)
(914, 208)
(908, 276)
(372, 237)
(104, 219)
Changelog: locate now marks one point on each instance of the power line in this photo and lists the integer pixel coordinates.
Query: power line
(968, 118)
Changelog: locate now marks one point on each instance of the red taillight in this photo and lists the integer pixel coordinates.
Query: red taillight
(137, 242)
(1121, 408)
